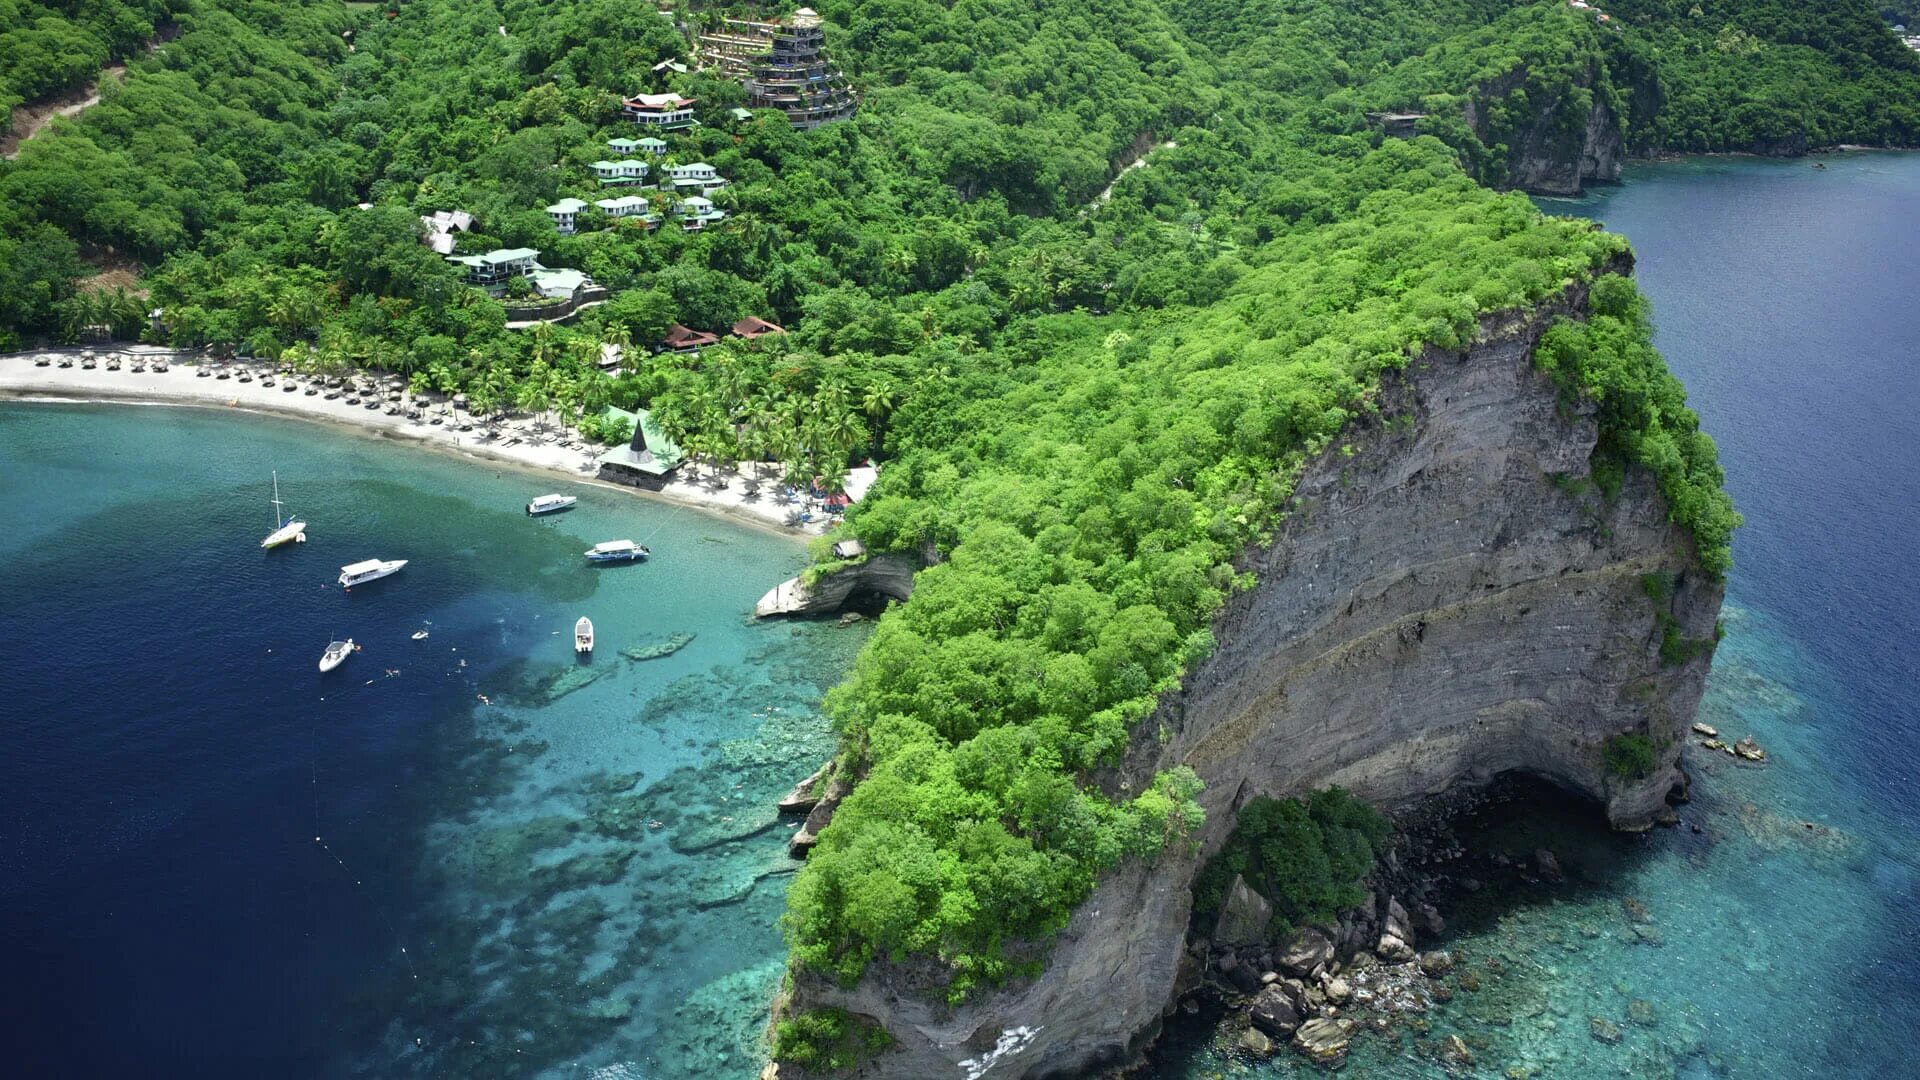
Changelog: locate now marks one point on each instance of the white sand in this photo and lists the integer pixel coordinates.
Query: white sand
(720, 491)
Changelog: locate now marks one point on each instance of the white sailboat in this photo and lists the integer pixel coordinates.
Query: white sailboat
(285, 529)
(583, 635)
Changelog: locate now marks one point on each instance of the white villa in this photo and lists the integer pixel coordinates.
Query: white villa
(563, 213)
(661, 112)
(627, 171)
(698, 176)
(697, 212)
(491, 270)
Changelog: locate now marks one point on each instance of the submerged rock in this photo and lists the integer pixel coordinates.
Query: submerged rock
(1454, 1053)
(1254, 1042)
(657, 648)
(1604, 1030)
(1640, 1011)
(1748, 750)
(805, 794)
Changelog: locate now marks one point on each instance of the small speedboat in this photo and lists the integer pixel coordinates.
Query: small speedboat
(419, 635)
(547, 504)
(583, 635)
(368, 570)
(337, 653)
(617, 551)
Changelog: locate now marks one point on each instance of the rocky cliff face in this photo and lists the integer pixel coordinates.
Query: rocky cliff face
(1448, 600)
(1560, 146)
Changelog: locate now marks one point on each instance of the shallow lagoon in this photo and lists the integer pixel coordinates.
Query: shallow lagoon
(579, 874)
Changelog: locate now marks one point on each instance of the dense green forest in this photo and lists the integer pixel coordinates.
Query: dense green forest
(1089, 385)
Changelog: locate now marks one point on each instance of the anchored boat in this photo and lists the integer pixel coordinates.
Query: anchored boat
(583, 635)
(617, 551)
(547, 504)
(368, 570)
(337, 653)
(284, 529)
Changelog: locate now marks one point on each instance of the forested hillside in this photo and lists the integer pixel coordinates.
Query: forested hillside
(49, 47)
(1086, 400)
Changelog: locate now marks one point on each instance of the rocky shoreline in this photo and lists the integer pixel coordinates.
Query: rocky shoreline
(1322, 987)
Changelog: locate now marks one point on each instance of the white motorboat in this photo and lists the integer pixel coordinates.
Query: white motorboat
(547, 504)
(368, 570)
(419, 635)
(617, 551)
(583, 635)
(285, 529)
(337, 653)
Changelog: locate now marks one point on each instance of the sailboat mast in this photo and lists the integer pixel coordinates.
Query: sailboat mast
(277, 522)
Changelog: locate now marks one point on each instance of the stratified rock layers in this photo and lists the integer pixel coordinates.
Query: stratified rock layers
(1450, 598)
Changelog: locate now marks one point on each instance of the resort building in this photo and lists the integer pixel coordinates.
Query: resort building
(624, 148)
(661, 112)
(651, 145)
(698, 176)
(783, 66)
(753, 327)
(646, 459)
(492, 270)
(562, 284)
(563, 213)
(682, 340)
(627, 206)
(696, 213)
(626, 171)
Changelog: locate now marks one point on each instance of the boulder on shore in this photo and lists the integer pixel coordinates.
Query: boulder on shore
(1306, 950)
(1243, 916)
(805, 794)
(1323, 1040)
(1255, 1042)
(1273, 1012)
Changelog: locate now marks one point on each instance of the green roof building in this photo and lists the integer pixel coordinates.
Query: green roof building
(647, 459)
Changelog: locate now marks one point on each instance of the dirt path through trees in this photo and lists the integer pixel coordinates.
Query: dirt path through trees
(29, 119)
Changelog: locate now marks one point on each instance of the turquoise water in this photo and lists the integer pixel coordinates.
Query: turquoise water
(1784, 939)
(495, 861)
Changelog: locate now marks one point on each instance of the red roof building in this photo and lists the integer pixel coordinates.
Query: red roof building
(753, 326)
(681, 339)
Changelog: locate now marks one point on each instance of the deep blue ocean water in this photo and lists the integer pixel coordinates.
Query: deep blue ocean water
(217, 862)
(1785, 934)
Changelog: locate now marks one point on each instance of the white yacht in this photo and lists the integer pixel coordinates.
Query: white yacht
(547, 504)
(583, 635)
(336, 654)
(368, 570)
(285, 529)
(617, 551)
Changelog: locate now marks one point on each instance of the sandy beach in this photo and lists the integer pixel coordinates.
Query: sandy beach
(519, 440)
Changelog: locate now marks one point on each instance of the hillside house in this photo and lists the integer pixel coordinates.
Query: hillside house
(440, 227)
(682, 340)
(651, 145)
(629, 206)
(699, 176)
(492, 270)
(561, 284)
(660, 112)
(623, 148)
(615, 173)
(563, 214)
(696, 213)
(754, 327)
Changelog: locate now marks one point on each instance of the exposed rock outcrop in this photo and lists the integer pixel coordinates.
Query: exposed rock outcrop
(883, 575)
(1563, 142)
(1448, 600)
